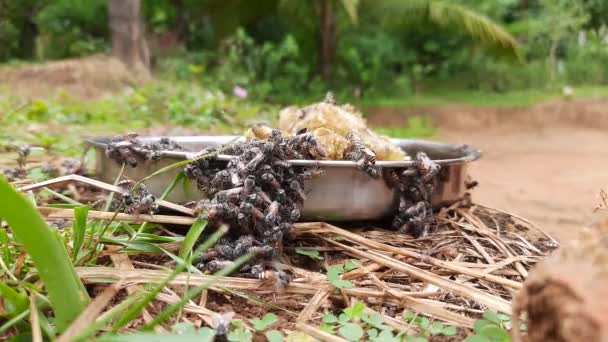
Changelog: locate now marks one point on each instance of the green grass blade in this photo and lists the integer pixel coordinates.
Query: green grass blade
(171, 309)
(14, 301)
(64, 198)
(66, 293)
(136, 309)
(173, 184)
(193, 234)
(109, 316)
(6, 252)
(10, 323)
(180, 164)
(79, 229)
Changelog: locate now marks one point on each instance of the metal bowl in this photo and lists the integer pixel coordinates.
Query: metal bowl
(343, 193)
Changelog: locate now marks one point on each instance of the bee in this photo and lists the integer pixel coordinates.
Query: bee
(255, 213)
(391, 178)
(272, 213)
(426, 166)
(231, 195)
(269, 179)
(330, 98)
(255, 160)
(217, 265)
(307, 142)
(297, 190)
(308, 173)
(249, 185)
(221, 181)
(221, 324)
(364, 156)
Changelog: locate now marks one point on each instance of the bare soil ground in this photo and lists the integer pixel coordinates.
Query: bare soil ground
(546, 163)
(86, 78)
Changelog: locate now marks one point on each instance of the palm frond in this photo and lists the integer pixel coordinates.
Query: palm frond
(453, 16)
(351, 7)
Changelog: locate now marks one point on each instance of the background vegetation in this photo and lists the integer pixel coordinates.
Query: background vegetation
(275, 48)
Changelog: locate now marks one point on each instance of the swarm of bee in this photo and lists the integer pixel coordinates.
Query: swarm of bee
(129, 149)
(19, 171)
(135, 200)
(331, 123)
(258, 194)
(415, 212)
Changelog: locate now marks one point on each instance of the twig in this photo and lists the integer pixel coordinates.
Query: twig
(314, 304)
(427, 259)
(35, 320)
(122, 261)
(109, 216)
(59, 181)
(491, 301)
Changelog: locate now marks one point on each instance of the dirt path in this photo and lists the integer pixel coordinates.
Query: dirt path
(546, 163)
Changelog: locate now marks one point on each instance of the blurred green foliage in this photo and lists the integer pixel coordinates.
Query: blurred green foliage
(385, 48)
(59, 124)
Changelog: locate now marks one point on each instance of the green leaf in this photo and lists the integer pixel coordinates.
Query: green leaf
(343, 318)
(334, 272)
(492, 316)
(503, 317)
(476, 338)
(67, 294)
(386, 336)
(376, 320)
(274, 336)
(436, 328)
(14, 302)
(409, 315)
(79, 229)
(424, 323)
(479, 324)
(203, 335)
(351, 332)
(372, 333)
(183, 328)
(6, 252)
(494, 332)
(329, 328)
(266, 321)
(310, 253)
(193, 234)
(240, 335)
(333, 275)
(351, 264)
(449, 331)
(355, 311)
(329, 318)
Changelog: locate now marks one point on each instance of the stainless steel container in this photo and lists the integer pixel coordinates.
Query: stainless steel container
(343, 193)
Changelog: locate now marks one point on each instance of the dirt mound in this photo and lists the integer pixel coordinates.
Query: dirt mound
(583, 113)
(85, 78)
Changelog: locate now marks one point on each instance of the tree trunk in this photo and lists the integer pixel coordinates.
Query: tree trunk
(180, 20)
(327, 38)
(128, 39)
(27, 38)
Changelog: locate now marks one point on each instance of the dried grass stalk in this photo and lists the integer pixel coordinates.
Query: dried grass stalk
(69, 179)
(111, 216)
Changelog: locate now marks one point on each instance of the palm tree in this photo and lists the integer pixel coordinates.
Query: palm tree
(319, 17)
(442, 13)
